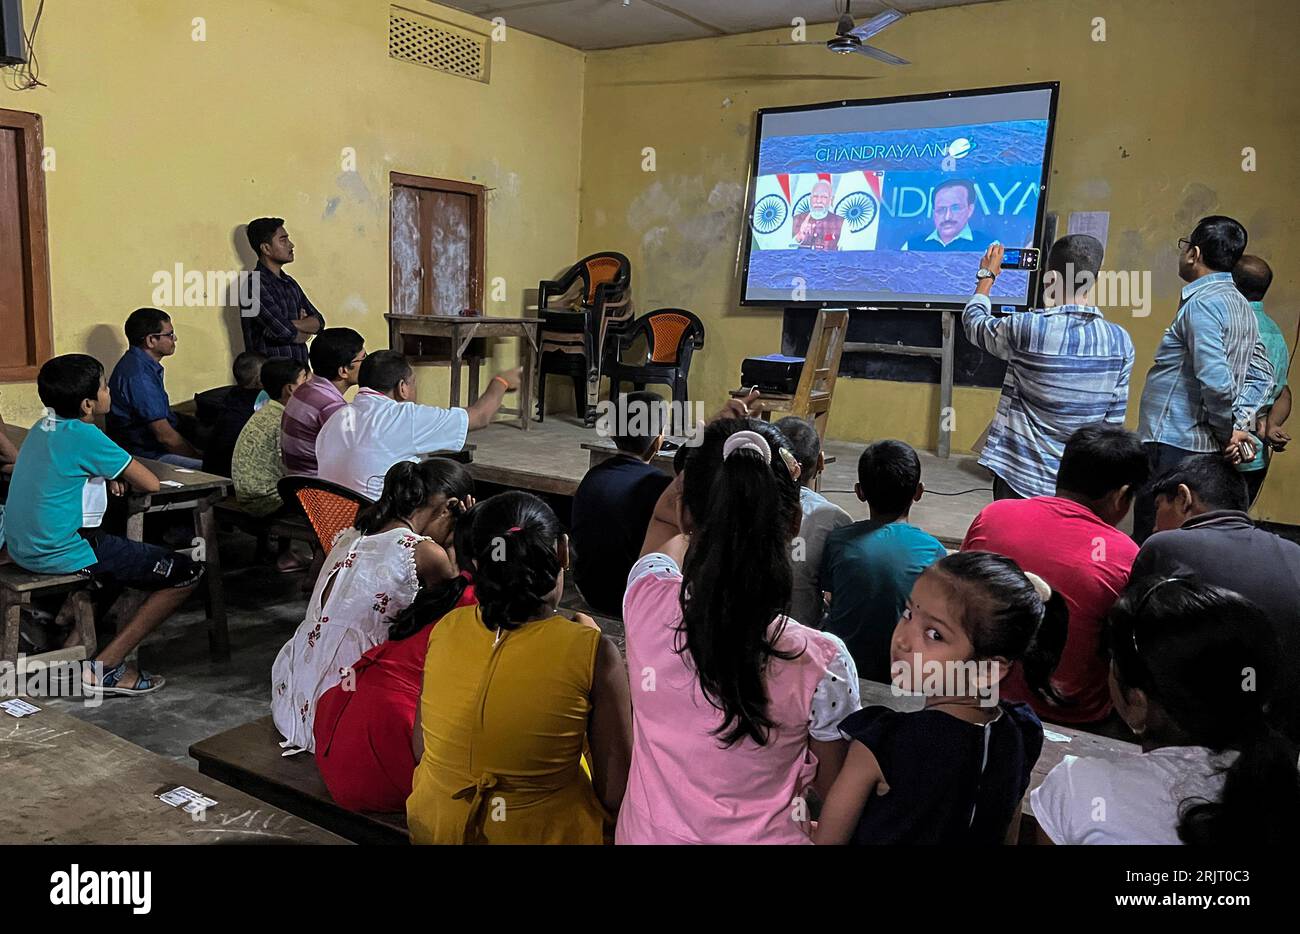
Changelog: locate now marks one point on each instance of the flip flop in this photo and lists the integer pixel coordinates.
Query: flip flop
(145, 683)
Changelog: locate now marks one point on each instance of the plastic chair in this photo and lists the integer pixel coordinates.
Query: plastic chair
(671, 336)
(329, 508)
(574, 330)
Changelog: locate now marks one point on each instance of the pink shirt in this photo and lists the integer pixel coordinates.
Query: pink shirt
(684, 786)
(1084, 559)
(311, 404)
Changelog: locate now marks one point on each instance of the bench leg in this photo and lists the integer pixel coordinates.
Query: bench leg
(205, 527)
(10, 605)
(84, 613)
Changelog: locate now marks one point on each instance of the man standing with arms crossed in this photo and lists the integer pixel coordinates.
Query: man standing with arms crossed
(281, 317)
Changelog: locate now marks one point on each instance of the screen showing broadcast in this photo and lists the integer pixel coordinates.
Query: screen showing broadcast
(893, 202)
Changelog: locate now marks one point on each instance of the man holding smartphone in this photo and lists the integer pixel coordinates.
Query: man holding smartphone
(1067, 367)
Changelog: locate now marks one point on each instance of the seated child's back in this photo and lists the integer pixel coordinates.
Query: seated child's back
(869, 567)
(614, 502)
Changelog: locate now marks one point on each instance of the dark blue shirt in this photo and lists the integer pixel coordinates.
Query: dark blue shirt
(611, 511)
(236, 409)
(949, 782)
(138, 399)
(268, 322)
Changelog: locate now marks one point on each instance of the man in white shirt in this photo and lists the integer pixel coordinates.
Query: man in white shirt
(385, 425)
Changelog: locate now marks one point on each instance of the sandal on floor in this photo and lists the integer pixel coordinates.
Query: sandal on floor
(145, 683)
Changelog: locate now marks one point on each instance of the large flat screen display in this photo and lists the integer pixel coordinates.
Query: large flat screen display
(892, 202)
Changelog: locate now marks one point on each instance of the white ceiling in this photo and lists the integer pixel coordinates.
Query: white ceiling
(611, 24)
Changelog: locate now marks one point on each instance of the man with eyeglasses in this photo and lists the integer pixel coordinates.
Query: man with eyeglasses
(336, 357)
(141, 419)
(1211, 372)
(954, 206)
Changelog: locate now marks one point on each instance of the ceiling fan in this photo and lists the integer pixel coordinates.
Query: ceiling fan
(850, 39)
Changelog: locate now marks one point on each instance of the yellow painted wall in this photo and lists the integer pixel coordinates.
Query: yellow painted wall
(163, 145)
(1151, 127)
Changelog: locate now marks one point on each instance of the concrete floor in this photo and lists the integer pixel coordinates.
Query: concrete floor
(264, 608)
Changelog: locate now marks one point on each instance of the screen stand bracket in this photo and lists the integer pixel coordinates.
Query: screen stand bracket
(945, 354)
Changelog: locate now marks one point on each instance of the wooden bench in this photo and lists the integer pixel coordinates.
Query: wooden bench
(68, 781)
(294, 527)
(17, 587)
(1058, 742)
(248, 758)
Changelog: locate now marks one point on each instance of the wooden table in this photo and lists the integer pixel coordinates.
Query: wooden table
(604, 449)
(1058, 742)
(197, 492)
(68, 781)
(459, 331)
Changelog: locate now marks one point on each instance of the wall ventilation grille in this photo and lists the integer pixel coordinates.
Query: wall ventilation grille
(422, 40)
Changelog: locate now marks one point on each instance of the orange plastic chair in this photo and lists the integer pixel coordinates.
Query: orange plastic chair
(329, 508)
(671, 336)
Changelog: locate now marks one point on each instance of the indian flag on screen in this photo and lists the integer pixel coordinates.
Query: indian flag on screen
(857, 200)
(772, 215)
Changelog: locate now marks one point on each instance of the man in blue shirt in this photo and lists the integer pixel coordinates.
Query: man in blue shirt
(281, 318)
(1211, 373)
(141, 419)
(1252, 277)
(868, 568)
(954, 205)
(1067, 367)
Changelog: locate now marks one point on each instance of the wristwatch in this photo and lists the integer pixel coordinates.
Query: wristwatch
(983, 273)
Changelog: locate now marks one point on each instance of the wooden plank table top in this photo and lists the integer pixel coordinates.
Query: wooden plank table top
(68, 781)
(1058, 741)
(604, 449)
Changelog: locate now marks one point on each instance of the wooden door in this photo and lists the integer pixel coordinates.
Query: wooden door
(436, 246)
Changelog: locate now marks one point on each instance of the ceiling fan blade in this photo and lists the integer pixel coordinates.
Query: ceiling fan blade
(876, 24)
(810, 43)
(880, 55)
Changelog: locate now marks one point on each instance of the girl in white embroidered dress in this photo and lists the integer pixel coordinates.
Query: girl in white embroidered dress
(373, 572)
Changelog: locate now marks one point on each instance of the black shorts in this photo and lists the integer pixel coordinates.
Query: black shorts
(139, 565)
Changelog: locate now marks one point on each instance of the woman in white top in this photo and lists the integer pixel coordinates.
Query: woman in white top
(1192, 669)
(373, 572)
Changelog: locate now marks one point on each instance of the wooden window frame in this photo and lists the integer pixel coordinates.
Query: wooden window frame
(477, 260)
(35, 241)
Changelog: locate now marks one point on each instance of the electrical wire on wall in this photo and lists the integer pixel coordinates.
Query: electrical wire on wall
(26, 75)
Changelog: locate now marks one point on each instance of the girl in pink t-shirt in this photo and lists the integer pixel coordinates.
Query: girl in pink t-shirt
(735, 707)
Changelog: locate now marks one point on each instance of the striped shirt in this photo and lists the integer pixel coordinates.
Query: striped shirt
(309, 406)
(1211, 371)
(1067, 367)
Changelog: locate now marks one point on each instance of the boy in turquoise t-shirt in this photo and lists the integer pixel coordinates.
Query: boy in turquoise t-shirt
(868, 567)
(65, 471)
